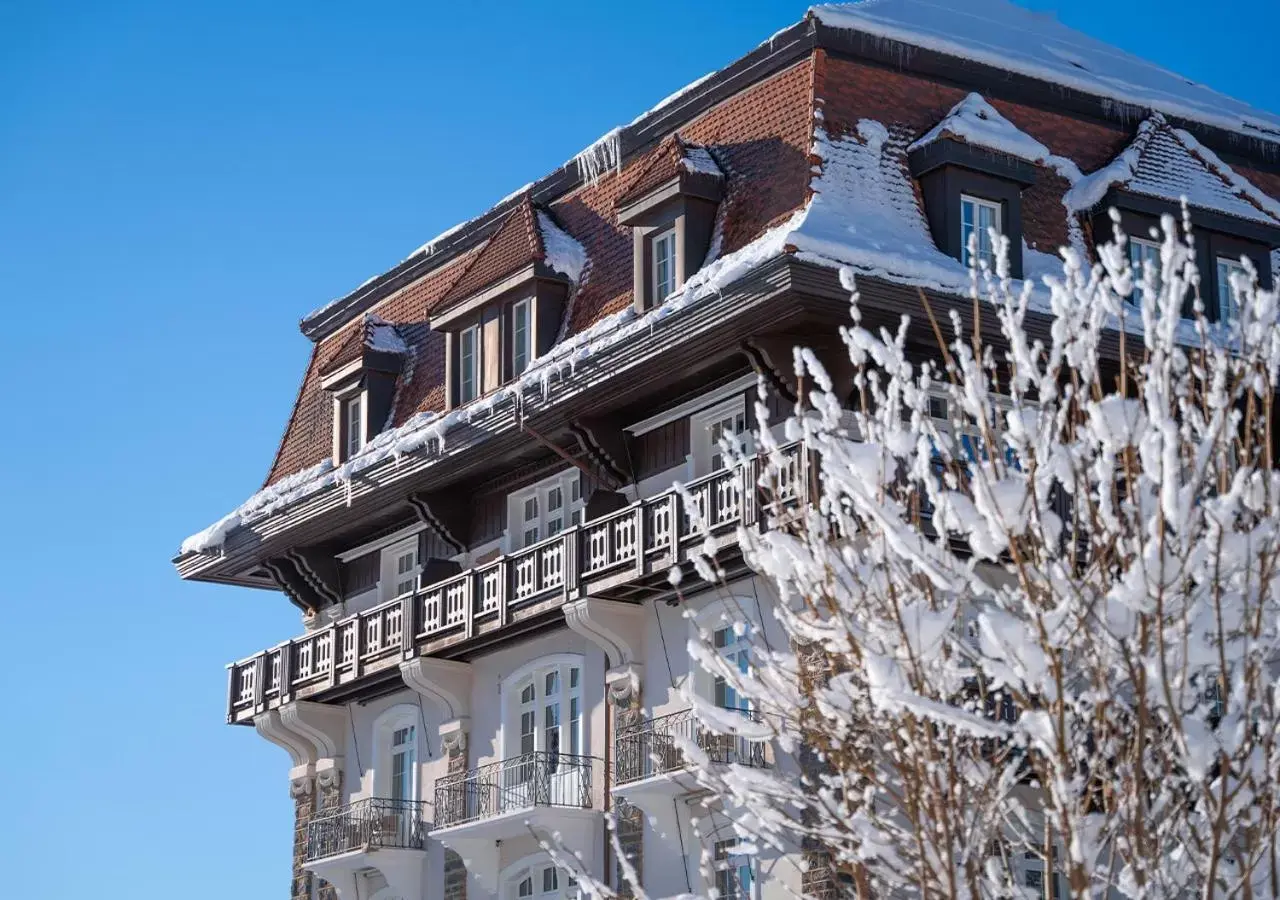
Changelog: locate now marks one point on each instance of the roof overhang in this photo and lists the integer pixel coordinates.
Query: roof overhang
(686, 184)
(460, 313)
(1208, 219)
(948, 151)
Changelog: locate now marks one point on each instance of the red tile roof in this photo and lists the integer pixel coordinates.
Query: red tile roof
(516, 244)
(663, 164)
(761, 135)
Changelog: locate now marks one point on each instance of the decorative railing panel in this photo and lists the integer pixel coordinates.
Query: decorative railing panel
(542, 778)
(653, 746)
(367, 824)
(642, 538)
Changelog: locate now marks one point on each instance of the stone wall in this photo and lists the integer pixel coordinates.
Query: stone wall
(304, 799)
(455, 872)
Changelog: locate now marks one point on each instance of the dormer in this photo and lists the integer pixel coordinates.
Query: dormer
(670, 206)
(972, 168)
(507, 307)
(361, 378)
(1230, 217)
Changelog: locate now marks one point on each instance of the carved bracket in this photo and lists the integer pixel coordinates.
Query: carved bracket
(616, 628)
(771, 360)
(623, 684)
(443, 682)
(312, 734)
(604, 442)
(449, 517)
(453, 736)
(319, 571)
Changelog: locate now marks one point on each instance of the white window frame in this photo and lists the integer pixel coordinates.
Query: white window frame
(1223, 283)
(702, 449)
(513, 705)
(978, 204)
(465, 397)
(390, 576)
(533, 867)
(346, 422)
(666, 238)
(730, 861)
(728, 613)
(568, 482)
(385, 726)
(518, 368)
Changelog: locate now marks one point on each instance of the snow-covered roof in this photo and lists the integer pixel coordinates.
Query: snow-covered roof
(1006, 36)
(977, 122)
(382, 336)
(1169, 164)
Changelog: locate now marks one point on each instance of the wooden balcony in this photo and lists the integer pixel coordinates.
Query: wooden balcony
(611, 556)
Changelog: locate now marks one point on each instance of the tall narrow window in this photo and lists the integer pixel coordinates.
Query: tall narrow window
(469, 364)
(545, 509)
(1227, 307)
(664, 265)
(404, 756)
(708, 427)
(353, 427)
(734, 649)
(1143, 256)
(734, 873)
(978, 219)
(521, 338)
(400, 568)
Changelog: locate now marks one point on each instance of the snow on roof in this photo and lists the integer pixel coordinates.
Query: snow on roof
(1000, 34)
(562, 251)
(381, 335)
(1169, 164)
(864, 212)
(977, 122)
(699, 160)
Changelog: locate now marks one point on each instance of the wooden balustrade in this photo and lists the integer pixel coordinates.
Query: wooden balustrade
(646, 537)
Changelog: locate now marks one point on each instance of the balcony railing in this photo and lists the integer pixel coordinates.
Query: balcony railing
(367, 824)
(542, 778)
(652, 747)
(646, 537)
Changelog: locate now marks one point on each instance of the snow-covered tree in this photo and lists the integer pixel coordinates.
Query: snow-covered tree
(1032, 606)
(1034, 613)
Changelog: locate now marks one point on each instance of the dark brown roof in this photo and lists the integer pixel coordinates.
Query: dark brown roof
(762, 135)
(516, 244)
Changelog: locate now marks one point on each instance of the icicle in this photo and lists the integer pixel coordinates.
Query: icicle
(601, 158)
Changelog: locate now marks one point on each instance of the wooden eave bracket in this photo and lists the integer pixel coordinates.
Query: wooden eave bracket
(448, 515)
(605, 442)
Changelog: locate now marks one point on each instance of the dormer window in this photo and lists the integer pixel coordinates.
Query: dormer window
(469, 364)
(1144, 256)
(521, 337)
(361, 376)
(979, 219)
(972, 167)
(1225, 268)
(352, 425)
(664, 265)
(507, 307)
(670, 205)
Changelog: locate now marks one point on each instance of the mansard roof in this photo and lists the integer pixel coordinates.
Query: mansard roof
(817, 150)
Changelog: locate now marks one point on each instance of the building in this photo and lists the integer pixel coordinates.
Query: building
(472, 504)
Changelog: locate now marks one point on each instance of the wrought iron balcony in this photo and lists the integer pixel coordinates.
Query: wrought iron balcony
(652, 747)
(542, 778)
(367, 824)
(607, 554)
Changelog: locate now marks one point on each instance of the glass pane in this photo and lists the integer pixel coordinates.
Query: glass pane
(526, 887)
(531, 536)
(550, 880)
(526, 694)
(575, 725)
(552, 712)
(552, 684)
(573, 677)
(555, 499)
(520, 338)
(531, 509)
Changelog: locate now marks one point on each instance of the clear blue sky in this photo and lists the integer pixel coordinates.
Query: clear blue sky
(179, 183)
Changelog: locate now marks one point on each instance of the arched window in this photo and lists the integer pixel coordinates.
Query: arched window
(396, 735)
(545, 709)
(535, 878)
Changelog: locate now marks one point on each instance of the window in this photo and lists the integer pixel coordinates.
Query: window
(540, 881)
(708, 428)
(1143, 256)
(735, 875)
(545, 509)
(550, 712)
(1227, 311)
(469, 364)
(352, 426)
(664, 265)
(521, 338)
(400, 567)
(731, 642)
(404, 756)
(978, 219)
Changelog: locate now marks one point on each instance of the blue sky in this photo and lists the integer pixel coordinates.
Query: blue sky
(179, 183)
